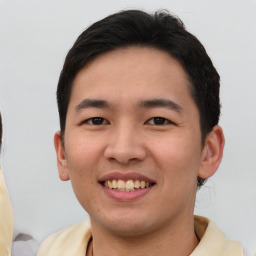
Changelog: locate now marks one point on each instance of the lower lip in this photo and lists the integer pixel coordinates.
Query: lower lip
(126, 196)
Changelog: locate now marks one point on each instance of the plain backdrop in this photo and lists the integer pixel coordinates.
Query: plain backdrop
(34, 39)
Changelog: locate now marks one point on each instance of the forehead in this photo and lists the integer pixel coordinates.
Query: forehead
(130, 69)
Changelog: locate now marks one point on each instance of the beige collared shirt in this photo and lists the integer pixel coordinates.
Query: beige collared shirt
(6, 219)
(74, 241)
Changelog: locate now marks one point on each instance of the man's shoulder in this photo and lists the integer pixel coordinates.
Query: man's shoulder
(213, 241)
(6, 219)
(69, 241)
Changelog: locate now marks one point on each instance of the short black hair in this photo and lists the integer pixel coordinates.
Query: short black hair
(160, 30)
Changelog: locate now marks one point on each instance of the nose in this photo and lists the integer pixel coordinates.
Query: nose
(125, 145)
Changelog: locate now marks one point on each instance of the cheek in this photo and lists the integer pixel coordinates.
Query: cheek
(178, 156)
(82, 150)
(178, 161)
(82, 156)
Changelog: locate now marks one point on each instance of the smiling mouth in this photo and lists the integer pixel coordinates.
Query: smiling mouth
(127, 186)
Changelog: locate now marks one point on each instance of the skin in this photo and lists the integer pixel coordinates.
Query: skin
(128, 140)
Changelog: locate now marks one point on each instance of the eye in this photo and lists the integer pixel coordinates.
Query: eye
(159, 121)
(96, 121)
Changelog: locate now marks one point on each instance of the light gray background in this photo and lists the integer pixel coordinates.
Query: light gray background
(34, 39)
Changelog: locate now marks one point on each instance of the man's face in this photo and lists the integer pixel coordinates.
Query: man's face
(132, 125)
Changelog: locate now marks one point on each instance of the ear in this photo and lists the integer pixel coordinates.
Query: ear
(62, 162)
(212, 152)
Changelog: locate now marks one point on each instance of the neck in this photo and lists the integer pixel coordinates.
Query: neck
(180, 240)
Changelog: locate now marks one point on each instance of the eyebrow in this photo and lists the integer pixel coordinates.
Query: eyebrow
(92, 103)
(154, 103)
(151, 103)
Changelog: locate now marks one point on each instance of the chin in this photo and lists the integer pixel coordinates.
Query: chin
(126, 225)
(129, 231)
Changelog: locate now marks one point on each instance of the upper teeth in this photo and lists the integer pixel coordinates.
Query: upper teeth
(128, 185)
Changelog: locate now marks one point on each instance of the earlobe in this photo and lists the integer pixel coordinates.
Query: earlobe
(212, 152)
(62, 162)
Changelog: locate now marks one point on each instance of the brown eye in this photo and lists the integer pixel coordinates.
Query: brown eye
(96, 121)
(158, 121)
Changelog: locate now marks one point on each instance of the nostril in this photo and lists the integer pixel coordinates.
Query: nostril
(125, 156)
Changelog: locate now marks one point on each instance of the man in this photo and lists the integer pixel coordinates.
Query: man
(138, 100)
(23, 244)
(6, 214)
